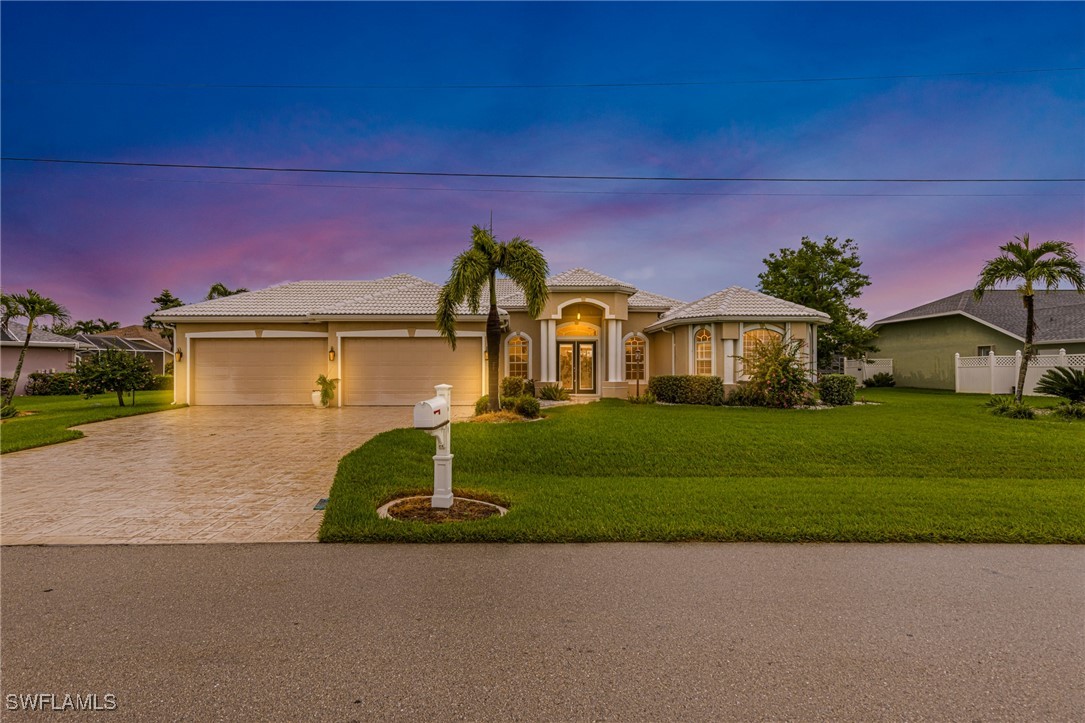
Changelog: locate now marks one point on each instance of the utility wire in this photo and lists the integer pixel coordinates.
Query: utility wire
(540, 86)
(597, 193)
(535, 176)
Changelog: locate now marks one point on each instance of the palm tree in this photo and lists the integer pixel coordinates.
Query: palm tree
(219, 290)
(478, 267)
(1022, 263)
(31, 306)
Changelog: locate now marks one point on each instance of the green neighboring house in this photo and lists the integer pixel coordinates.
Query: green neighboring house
(922, 341)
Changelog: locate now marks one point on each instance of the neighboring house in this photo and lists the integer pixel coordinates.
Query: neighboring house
(596, 336)
(922, 341)
(48, 352)
(158, 354)
(138, 331)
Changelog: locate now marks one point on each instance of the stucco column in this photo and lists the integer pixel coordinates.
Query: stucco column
(728, 361)
(544, 355)
(551, 349)
(614, 340)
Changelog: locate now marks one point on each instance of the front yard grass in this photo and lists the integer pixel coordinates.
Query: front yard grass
(919, 467)
(52, 416)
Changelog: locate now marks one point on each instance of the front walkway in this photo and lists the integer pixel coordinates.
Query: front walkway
(198, 474)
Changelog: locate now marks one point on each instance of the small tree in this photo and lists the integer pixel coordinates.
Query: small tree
(31, 306)
(114, 371)
(827, 277)
(1047, 264)
(164, 301)
(778, 372)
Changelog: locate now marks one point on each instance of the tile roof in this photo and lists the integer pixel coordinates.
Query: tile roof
(1060, 315)
(16, 333)
(736, 302)
(510, 296)
(586, 278)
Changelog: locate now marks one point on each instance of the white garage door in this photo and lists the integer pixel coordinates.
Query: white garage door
(398, 371)
(256, 371)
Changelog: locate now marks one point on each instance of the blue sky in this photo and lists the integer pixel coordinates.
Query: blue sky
(102, 82)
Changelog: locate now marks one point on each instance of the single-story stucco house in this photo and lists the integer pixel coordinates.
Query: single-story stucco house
(922, 341)
(596, 336)
(48, 352)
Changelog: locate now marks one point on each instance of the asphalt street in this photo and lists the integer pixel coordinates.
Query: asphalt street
(546, 632)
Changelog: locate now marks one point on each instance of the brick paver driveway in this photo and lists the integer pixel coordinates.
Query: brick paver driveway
(198, 474)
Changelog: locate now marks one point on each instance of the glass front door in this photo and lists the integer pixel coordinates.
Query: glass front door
(576, 366)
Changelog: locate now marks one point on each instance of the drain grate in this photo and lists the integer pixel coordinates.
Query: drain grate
(322, 504)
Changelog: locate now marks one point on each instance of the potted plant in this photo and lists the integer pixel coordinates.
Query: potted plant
(323, 397)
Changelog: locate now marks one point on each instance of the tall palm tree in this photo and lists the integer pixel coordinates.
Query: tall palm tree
(219, 290)
(474, 270)
(32, 306)
(1047, 264)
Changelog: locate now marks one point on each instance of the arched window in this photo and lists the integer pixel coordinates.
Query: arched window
(702, 352)
(636, 358)
(517, 353)
(753, 338)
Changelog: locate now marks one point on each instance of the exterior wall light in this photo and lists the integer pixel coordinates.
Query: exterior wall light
(179, 355)
(331, 354)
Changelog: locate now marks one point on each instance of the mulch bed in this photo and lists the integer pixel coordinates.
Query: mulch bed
(462, 510)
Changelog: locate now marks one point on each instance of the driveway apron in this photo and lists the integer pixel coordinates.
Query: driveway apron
(197, 474)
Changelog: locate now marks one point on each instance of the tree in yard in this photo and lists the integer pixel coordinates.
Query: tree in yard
(31, 306)
(114, 370)
(90, 326)
(478, 267)
(165, 300)
(827, 277)
(219, 290)
(1048, 264)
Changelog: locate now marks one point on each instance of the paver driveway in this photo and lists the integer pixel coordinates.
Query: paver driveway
(198, 474)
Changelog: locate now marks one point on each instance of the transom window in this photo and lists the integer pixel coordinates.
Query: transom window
(702, 352)
(517, 354)
(634, 358)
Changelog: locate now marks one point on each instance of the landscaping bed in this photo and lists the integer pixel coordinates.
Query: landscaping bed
(920, 466)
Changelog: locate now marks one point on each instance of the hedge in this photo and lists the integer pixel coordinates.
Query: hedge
(49, 384)
(837, 389)
(688, 389)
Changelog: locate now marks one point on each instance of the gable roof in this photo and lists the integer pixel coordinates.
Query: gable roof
(510, 296)
(581, 278)
(15, 334)
(1060, 315)
(738, 304)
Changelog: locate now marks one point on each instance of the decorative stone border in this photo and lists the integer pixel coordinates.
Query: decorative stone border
(382, 511)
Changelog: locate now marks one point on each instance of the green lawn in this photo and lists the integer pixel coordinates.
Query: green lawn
(53, 415)
(920, 466)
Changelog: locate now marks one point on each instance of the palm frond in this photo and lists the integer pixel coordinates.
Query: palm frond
(525, 265)
(470, 273)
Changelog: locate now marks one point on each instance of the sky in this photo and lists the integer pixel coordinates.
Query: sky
(609, 89)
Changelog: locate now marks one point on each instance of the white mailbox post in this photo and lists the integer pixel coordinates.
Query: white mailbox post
(434, 415)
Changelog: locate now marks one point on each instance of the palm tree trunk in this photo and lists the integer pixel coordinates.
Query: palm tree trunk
(19, 367)
(493, 347)
(1026, 356)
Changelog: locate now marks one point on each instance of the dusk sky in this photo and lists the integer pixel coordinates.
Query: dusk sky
(649, 90)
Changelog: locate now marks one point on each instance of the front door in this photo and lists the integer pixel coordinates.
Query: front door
(576, 364)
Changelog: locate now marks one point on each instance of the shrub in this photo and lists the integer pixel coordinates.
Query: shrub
(1063, 382)
(527, 406)
(745, 395)
(837, 390)
(553, 393)
(1010, 407)
(775, 368)
(8, 411)
(5, 385)
(1069, 410)
(646, 397)
(160, 382)
(881, 379)
(688, 389)
(482, 406)
(43, 384)
(114, 371)
(512, 387)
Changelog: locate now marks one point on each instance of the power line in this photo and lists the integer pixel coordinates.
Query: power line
(599, 193)
(540, 86)
(533, 176)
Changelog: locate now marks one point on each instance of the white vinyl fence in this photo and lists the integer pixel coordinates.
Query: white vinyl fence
(863, 369)
(998, 374)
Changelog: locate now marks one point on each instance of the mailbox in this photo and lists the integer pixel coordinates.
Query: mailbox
(431, 414)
